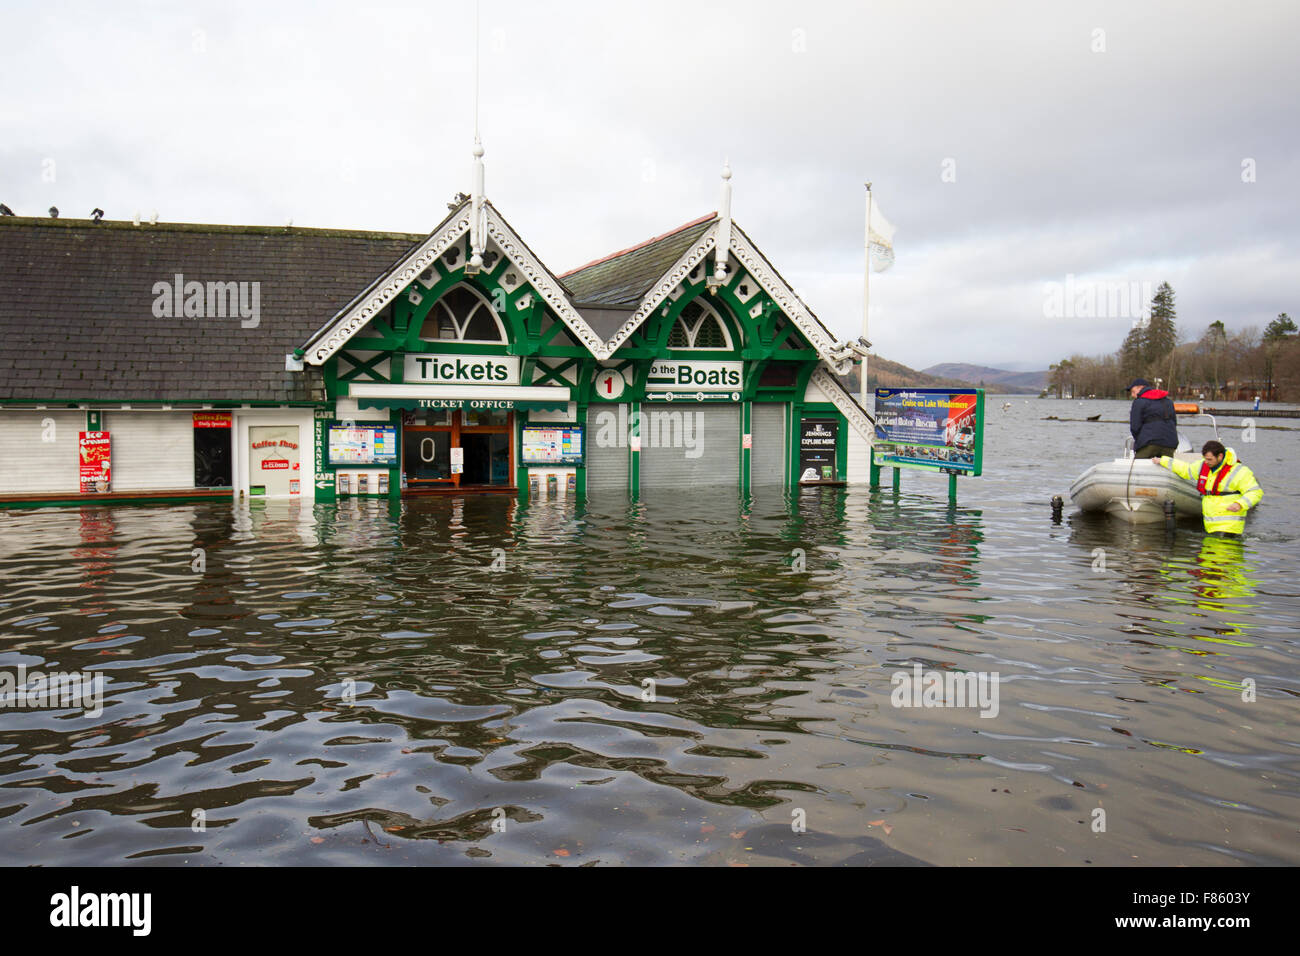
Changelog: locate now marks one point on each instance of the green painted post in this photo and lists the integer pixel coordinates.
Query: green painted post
(952, 487)
(746, 429)
(634, 446)
(897, 471)
(875, 471)
(580, 490)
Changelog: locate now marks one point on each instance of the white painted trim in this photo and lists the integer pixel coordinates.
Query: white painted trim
(352, 320)
(842, 400)
(757, 267)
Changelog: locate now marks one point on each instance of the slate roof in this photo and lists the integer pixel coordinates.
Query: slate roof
(605, 320)
(623, 278)
(76, 307)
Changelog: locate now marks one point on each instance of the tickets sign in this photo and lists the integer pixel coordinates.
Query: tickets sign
(95, 453)
(434, 369)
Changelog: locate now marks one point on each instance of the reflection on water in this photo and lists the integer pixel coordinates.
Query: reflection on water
(677, 679)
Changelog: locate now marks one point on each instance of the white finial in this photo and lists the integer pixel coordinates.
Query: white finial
(477, 218)
(723, 243)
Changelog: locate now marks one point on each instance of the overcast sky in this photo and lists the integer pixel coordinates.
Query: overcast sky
(1011, 144)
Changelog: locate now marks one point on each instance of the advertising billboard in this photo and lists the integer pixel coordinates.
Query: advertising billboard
(95, 454)
(936, 429)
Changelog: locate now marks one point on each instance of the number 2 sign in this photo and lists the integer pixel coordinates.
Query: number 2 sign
(609, 383)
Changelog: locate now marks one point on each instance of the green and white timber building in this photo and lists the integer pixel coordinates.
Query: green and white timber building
(170, 361)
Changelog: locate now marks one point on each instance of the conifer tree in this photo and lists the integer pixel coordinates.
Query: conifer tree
(1161, 333)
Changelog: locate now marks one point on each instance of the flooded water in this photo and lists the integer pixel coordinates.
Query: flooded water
(469, 681)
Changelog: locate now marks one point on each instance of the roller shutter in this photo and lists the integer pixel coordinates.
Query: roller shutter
(607, 452)
(690, 445)
(767, 459)
(31, 464)
(151, 450)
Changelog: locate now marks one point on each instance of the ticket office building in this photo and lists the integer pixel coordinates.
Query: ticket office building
(643, 370)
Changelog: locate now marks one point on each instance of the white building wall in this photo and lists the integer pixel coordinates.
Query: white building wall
(859, 462)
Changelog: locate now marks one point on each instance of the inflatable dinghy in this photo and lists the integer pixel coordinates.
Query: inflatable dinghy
(1135, 489)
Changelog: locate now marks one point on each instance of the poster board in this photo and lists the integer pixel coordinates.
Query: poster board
(818, 444)
(362, 444)
(934, 429)
(552, 445)
(94, 461)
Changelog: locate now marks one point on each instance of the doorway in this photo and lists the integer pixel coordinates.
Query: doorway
(447, 450)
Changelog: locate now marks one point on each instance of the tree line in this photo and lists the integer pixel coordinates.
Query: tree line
(1214, 365)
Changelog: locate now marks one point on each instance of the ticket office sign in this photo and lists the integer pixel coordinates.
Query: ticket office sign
(95, 458)
(934, 429)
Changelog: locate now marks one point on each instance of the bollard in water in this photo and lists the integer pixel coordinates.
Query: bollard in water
(1058, 506)
(1171, 515)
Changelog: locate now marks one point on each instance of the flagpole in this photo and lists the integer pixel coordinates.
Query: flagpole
(866, 299)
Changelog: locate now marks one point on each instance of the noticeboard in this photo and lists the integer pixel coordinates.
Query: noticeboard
(552, 444)
(818, 442)
(936, 429)
(362, 444)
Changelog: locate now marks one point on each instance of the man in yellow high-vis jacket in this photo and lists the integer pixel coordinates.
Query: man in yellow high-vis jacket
(1228, 488)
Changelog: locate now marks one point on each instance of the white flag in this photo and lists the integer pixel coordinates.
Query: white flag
(880, 239)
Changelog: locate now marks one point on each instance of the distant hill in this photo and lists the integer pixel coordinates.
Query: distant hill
(882, 373)
(1014, 382)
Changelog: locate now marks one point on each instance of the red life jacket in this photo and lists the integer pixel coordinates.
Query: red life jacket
(1204, 477)
(1153, 393)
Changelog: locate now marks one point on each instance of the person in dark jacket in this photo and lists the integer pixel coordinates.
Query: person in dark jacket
(1152, 421)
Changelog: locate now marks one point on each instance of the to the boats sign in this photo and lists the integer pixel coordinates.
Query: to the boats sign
(678, 380)
(933, 428)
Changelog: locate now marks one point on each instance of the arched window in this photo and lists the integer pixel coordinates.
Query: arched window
(700, 327)
(463, 315)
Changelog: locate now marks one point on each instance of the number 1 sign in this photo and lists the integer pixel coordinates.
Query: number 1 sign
(610, 383)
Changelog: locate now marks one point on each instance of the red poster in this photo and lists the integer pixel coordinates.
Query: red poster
(95, 452)
(212, 419)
